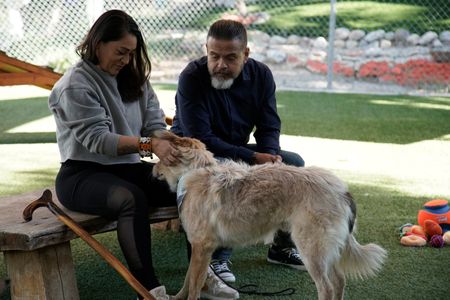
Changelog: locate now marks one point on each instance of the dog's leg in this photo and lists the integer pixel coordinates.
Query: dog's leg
(196, 273)
(183, 293)
(338, 280)
(198, 268)
(315, 256)
(319, 273)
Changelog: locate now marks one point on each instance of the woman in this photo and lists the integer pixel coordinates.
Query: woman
(105, 111)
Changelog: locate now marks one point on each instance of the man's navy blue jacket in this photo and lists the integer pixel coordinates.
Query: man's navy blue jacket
(224, 119)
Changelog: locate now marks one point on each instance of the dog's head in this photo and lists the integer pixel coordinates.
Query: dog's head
(192, 155)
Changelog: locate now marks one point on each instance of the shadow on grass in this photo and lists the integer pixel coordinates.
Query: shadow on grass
(380, 213)
(27, 181)
(17, 112)
(367, 118)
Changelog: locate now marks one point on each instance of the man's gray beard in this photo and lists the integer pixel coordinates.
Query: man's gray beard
(221, 84)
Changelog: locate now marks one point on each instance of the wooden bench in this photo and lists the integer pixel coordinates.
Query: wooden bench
(38, 255)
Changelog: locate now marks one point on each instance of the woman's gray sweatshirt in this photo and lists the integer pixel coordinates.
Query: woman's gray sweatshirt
(90, 115)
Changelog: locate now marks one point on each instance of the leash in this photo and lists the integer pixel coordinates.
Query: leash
(244, 289)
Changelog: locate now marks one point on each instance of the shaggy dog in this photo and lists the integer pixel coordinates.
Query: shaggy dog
(232, 204)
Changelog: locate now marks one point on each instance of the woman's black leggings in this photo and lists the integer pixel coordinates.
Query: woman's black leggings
(120, 192)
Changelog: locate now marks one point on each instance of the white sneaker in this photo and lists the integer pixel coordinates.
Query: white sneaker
(159, 293)
(222, 270)
(215, 289)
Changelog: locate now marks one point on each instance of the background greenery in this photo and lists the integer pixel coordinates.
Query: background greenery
(311, 17)
(409, 273)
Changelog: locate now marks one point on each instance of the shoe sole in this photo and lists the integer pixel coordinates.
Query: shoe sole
(297, 267)
(228, 279)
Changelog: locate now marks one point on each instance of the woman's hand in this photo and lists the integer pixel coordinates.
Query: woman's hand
(165, 151)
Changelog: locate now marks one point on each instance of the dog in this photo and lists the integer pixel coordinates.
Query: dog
(234, 204)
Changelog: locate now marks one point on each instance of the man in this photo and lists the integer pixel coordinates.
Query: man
(220, 99)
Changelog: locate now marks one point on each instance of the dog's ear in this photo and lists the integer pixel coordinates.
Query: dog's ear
(188, 143)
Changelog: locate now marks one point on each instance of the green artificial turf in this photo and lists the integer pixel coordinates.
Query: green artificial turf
(370, 118)
(409, 273)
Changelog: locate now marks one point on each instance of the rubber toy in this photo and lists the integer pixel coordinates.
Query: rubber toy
(432, 228)
(416, 234)
(437, 241)
(413, 241)
(446, 238)
(405, 228)
(436, 210)
(417, 229)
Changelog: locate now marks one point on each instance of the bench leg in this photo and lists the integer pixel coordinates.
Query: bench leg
(46, 273)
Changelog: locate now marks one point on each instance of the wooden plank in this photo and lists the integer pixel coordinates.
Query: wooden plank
(46, 273)
(27, 66)
(25, 73)
(26, 78)
(45, 229)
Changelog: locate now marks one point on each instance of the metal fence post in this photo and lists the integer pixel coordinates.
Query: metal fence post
(330, 54)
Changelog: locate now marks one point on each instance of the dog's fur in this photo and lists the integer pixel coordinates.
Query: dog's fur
(233, 204)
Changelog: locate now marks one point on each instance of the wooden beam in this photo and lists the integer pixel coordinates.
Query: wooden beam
(16, 72)
(27, 78)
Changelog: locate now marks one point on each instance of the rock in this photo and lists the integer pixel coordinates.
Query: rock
(317, 55)
(374, 44)
(341, 33)
(385, 44)
(363, 43)
(257, 36)
(374, 35)
(374, 51)
(356, 35)
(351, 44)
(339, 43)
(441, 54)
(444, 37)
(413, 39)
(276, 56)
(277, 40)
(436, 43)
(294, 39)
(389, 36)
(258, 56)
(400, 36)
(320, 43)
(427, 38)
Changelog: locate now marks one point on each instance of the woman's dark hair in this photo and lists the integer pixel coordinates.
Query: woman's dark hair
(228, 30)
(112, 26)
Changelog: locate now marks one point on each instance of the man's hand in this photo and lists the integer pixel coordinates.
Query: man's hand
(262, 158)
(165, 151)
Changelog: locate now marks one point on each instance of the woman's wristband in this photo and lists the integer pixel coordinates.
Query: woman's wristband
(145, 147)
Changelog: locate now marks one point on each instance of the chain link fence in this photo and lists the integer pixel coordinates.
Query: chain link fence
(375, 46)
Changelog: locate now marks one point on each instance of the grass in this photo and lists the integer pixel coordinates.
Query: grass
(409, 273)
(371, 118)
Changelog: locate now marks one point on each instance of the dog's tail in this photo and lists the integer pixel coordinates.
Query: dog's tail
(361, 261)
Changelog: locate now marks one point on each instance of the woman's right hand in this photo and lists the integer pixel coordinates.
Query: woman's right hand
(165, 151)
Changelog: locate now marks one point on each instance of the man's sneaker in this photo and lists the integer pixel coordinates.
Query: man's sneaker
(222, 270)
(215, 289)
(286, 256)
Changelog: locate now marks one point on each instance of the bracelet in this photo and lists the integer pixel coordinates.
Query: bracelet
(145, 147)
